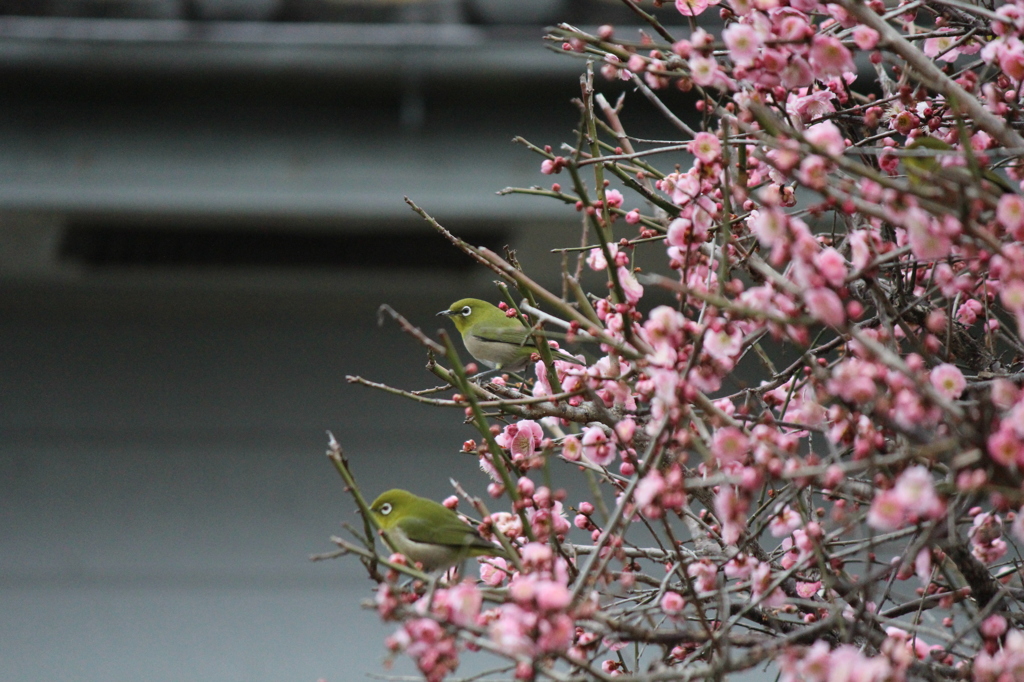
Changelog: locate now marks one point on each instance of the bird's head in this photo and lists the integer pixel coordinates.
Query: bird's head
(392, 506)
(467, 312)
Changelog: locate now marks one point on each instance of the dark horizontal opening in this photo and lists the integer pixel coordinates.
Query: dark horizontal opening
(105, 246)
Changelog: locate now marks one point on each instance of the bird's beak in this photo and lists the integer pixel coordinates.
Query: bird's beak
(445, 313)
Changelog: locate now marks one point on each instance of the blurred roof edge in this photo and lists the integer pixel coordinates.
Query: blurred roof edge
(353, 50)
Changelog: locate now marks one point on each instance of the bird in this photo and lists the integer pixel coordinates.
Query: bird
(928, 172)
(500, 342)
(428, 532)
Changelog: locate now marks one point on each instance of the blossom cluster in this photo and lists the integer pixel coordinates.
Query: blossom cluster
(815, 455)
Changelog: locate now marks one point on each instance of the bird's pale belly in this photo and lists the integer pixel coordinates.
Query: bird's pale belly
(432, 556)
(497, 354)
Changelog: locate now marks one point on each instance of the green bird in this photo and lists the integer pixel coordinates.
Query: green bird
(491, 337)
(928, 171)
(428, 532)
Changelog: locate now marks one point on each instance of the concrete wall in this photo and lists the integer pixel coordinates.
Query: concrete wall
(162, 425)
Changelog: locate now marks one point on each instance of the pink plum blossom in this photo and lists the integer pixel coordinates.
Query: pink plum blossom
(770, 226)
(730, 444)
(692, 8)
(941, 47)
(812, 106)
(704, 574)
(511, 630)
(596, 259)
(705, 147)
(494, 571)
(597, 447)
(813, 172)
(681, 188)
(679, 231)
(825, 305)
(827, 136)
(913, 496)
(987, 543)
(723, 345)
(432, 649)
(829, 57)
(784, 522)
(572, 449)
(865, 37)
(743, 42)
(761, 587)
(632, 289)
(927, 239)
(1010, 214)
(832, 266)
(704, 70)
(1010, 56)
(1005, 664)
(886, 512)
(460, 604)
(730, 508)
(555, 633)
(649, 488)
(552, 595)
(521, 439)
(1005, 446)
(948, 380)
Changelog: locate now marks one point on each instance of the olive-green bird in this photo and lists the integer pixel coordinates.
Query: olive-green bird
(428, 532)
(493, 338)
(928, 171)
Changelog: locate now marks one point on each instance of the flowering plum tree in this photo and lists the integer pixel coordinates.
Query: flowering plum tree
(811, 464)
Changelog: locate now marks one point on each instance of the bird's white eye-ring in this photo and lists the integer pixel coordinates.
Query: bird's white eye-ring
(385, 508)
(466, 310)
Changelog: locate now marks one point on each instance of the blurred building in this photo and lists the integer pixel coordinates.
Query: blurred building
(201, 207)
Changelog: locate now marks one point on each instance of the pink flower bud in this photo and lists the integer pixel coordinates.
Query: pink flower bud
(993, 627)
(525, 487)
(672, 603)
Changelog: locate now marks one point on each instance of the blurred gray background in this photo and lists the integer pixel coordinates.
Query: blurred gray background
(200, 212)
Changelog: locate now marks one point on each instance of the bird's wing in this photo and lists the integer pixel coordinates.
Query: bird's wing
(512, 336)
(452, 532)
(518, 337)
